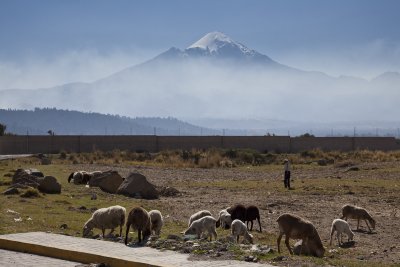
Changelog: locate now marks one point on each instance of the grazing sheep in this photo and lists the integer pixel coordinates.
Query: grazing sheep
(202, 225)
(157, 221)
(354, 212)
(341, 226)
(80, 177)
(224, 219)
(237, 212)
(106, 218)
(295, 227)
(198, 215)
(140, 221)
(240, 229)
(252, 213)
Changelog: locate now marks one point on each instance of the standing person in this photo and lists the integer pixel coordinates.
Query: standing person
(286, 180)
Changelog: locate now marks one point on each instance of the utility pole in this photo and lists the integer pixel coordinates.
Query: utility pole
(354, 133)
(155, 131)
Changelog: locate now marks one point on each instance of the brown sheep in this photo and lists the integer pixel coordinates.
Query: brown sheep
(140, 221)
(354, 212)
(252, 213)
(293, 226)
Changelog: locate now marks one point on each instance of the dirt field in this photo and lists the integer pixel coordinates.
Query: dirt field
(318, 195)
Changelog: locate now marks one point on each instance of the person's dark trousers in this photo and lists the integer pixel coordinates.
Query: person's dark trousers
(287, 179)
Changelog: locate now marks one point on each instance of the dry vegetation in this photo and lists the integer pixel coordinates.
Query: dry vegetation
(215, 179)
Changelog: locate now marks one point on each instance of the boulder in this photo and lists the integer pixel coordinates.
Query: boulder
(50, 185)
(45, 161)
(97, 177)
(110, 182)
(35, 172)
(24, 178)
(11, 191)
(136, 185)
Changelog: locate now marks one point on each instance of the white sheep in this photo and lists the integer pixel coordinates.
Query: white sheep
(106, 218)
(224, 219)
(198, 215)
(202, 225)
(240, 229)
(341, 226)
(157, 221)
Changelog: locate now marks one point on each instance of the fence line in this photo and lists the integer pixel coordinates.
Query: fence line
(153, 143)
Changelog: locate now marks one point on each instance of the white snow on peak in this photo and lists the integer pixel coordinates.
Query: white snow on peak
(213, 41)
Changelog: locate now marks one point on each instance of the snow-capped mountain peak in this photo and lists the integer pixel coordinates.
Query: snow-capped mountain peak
(214, 42)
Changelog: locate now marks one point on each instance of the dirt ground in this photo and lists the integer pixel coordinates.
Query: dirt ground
(318, 195)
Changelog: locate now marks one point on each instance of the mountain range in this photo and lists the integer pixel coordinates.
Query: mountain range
(67, 122)
(217, 77)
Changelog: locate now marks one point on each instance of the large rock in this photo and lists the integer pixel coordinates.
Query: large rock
(97, 177)
(35, 172)
(110, 182)
(136, 185)
(50, 185)
(22, 177)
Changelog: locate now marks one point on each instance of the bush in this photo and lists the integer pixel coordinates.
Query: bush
(30, 193)
(63, 155)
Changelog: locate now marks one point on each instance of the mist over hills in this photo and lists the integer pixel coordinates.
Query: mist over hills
(219, 78)
(67, 122)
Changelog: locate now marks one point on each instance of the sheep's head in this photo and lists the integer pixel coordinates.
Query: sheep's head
(372, 222)
(351, 235)
(320, 252)
(87, 228)
(250, 238)
(190, 231)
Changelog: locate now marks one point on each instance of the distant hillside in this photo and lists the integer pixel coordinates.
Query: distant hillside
(67, 122)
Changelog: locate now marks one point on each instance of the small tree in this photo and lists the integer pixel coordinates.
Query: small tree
(3, 128)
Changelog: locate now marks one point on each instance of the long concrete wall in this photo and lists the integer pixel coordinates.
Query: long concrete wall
(279, 144)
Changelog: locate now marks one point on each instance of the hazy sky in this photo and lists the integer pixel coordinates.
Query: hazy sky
(45, 43)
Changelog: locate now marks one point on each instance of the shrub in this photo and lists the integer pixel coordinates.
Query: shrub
(30, 193)
(63, 155)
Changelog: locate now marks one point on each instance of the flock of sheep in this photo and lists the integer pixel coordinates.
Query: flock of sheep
(203, 224)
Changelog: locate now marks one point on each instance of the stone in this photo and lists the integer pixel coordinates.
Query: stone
(35, 172)
(11, 191)
(23, 178)
(50, 185)
(110, 182)
(45, 161)
(174, 237)
(136, 185)
(322, 162)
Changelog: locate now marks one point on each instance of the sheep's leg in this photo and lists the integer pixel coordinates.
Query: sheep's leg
(332, 232)
(140, 235)
(358, 224)
(112, 231)
(128, 225)
(340, 241)
(247, 224)
(279, 242)
(215, 234)
(103, 231)
(251, 227)
(368, 226)
(288, 246)
(237, 239)
(259, 223)
(120, 230)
